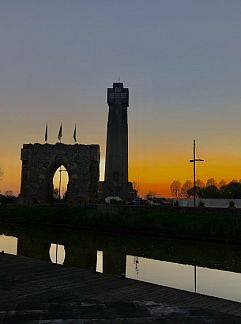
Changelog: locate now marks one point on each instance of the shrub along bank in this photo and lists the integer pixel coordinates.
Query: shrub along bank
(201, 223)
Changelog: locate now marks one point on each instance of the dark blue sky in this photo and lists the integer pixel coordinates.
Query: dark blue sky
(180, 59)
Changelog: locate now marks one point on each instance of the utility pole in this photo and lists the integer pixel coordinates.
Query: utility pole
(194, 160)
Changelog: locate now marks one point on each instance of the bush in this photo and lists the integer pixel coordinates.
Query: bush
(8, 199)
(231, 204)
(201, 204)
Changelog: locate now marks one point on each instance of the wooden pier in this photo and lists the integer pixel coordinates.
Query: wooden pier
(34, 291)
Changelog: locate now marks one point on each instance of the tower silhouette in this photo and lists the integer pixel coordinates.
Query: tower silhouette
(116, 165)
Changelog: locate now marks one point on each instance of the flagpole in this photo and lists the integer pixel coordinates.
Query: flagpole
(60, 134)
(46, 134)
(74, 135)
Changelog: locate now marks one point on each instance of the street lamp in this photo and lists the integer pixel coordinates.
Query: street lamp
(60, 179)
(194, 160)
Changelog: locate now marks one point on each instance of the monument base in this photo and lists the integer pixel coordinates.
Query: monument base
(106, 190)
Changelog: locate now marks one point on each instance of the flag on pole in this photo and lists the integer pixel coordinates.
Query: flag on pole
(74, 135)
(60, 134)
(46, 134)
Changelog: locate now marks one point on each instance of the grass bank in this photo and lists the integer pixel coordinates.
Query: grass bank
(202, 223)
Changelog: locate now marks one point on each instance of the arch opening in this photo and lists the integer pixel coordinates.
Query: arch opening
(60, 184)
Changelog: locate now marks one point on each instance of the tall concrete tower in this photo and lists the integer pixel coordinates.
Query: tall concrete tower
(116, 165)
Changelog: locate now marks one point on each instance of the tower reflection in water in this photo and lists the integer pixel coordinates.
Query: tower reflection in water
(57, 255)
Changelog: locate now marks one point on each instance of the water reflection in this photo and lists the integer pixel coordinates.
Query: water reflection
(33, 247)
(210, 269)
(80, 255)
(57, 253)
(114, 262)
(160, 272)
(99, 262)
(8, 244)
(211, 282)
(218, 283)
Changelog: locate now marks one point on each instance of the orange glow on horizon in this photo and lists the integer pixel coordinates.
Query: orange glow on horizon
(148, 173)
(159, 189)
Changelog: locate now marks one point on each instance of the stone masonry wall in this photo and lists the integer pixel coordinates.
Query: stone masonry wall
(40, 161)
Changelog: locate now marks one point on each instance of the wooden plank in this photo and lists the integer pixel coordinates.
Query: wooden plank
(28, 283)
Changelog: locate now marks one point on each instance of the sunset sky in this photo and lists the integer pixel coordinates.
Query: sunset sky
(181, 61)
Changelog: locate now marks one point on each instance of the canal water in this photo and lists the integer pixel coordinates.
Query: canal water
(212, 269)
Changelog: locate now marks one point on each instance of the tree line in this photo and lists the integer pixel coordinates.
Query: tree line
(7, 197)
(210, 189)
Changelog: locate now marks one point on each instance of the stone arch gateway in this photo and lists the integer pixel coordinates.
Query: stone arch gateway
(40, 161)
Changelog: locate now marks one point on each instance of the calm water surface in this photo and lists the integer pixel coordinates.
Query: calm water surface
(205, 268)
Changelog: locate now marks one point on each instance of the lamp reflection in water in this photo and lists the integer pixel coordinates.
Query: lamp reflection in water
(136, 262)
(180, 276)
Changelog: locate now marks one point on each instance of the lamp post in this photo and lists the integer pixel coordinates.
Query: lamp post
(60, 179)
(194, 160)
